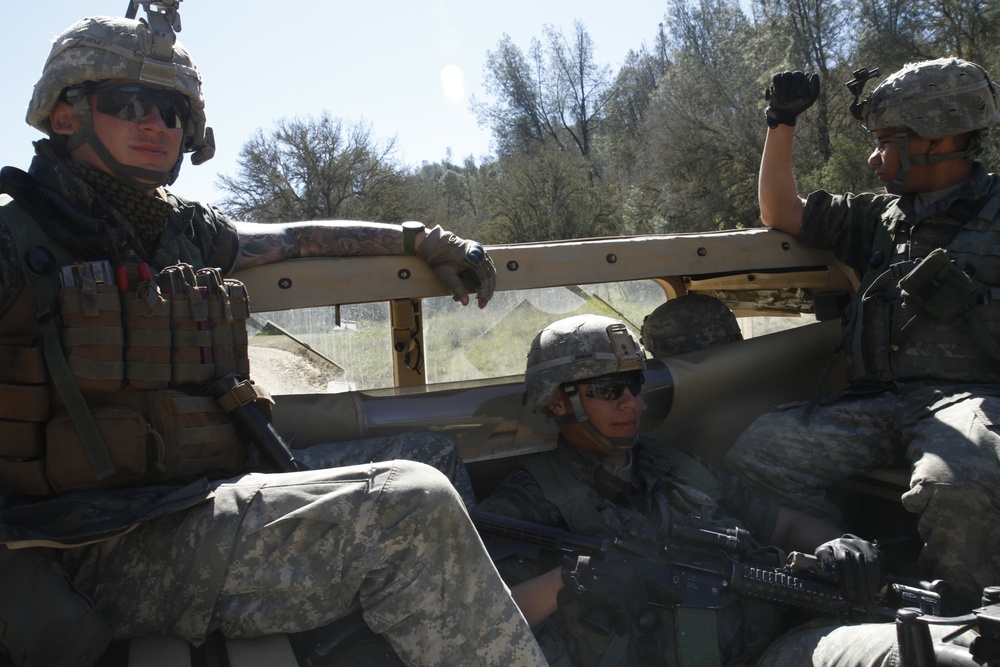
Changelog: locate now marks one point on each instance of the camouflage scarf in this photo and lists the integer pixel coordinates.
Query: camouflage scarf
(147, 214)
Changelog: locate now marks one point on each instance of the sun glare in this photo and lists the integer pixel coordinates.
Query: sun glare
(453, 83)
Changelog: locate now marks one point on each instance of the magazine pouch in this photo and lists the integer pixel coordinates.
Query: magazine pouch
(92, 336)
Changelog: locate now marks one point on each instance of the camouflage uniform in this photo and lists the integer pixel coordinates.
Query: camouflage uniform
(368, 530)
(924, 413)
(865, 645)
(388, 539)
(207, 557)
(660, 481)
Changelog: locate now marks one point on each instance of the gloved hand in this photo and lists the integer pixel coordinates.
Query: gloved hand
(463, 266)
(606, 588)
(854, 563)
(789, 94)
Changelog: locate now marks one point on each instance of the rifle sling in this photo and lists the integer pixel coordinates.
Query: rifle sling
(697, 637)
(26, 233)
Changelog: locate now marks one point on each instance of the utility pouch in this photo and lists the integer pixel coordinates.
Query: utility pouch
(868, 358)
(943, 290)
(92, 335)
(191, 336)
(227, 314)
(44, 622)
(198, 438)
(239, 309)
(126, 435)
(186, 436)
(146, 317)
(24, 410)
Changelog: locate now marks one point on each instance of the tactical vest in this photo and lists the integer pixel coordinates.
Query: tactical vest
(922, 315)
(688, 636)
(572, 496)
(103, 371)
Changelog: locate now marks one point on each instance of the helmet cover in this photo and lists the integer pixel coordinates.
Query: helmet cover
(934, 99)
(578, 348)
(103, 48)
(688, 323)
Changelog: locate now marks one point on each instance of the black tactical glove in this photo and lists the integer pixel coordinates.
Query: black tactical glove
(463, 266)
(854, 563)
(614, 590)
(790, 94)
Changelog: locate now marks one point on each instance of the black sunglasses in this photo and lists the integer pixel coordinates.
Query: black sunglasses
(611, 387)
(131, 102)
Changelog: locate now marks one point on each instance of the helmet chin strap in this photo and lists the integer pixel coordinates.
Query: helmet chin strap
(905, 163)
(578, 415)
(136, 177)
(907, 159)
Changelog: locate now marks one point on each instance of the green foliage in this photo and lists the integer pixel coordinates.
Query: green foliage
(316, 169)
(844, 171)
(670, 142)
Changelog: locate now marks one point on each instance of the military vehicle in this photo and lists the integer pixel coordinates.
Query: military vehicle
(369, 346)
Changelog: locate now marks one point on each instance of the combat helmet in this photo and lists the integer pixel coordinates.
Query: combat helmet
(103, 48)
(932, 99)
(580, 348)
(688, 323)
(577, 348)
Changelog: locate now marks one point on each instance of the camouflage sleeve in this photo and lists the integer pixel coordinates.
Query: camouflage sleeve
(757, 510)
(845, 224)
(212, 232)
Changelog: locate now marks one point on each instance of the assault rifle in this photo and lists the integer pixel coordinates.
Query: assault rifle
(699, 561)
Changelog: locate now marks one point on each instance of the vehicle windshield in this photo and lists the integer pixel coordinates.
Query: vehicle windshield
(349, 348)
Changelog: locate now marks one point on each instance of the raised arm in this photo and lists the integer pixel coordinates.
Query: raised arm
(780, 204)
(463, 266)
(789, 94)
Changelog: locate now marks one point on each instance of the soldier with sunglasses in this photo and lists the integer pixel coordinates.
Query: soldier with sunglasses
(124, 473)
(605, 478)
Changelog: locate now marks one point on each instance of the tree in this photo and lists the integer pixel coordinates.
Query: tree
(315, 169)
(546, 194)
(554, 93)
(450, 195)
(703, 131)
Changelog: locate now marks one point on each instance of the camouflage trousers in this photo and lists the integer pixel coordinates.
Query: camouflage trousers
(948, 436)
(865, 645)
(289, 552)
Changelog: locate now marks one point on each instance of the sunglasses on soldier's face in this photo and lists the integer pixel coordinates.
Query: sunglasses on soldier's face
(611, 387)
(131, 102)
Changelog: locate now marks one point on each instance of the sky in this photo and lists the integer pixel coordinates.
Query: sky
(407, 68)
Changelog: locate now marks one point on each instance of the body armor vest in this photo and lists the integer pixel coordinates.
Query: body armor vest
(928, 315)
(685, 636)
(140, 348)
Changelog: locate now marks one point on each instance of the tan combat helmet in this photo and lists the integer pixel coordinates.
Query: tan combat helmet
(104, 48)
(933, 99)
